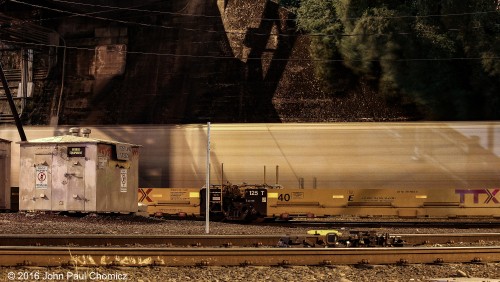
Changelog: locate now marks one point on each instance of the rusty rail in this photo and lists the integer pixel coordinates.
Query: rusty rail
(208, 240)
(82, 256)
(446, 238)
(124, 240)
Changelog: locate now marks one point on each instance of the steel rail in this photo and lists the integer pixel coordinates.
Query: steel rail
(210, 240)
(448, 238)
(80, 256)
(123, 240)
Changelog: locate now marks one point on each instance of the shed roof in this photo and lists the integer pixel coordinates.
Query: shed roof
(5, 141)
(73, 139)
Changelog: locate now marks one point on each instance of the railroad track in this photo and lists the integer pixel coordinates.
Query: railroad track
(210, 240)
(239, 250)
(136, 240)
(126, 256)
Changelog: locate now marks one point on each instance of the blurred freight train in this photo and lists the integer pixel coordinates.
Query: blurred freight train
(401, 169)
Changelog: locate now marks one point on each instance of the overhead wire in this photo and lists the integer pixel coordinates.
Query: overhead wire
(93, 14)
(252, 58)
(214, 16)
(90, 16)
(69, 16)
(204, 30)
(114, 8)
(222, 57)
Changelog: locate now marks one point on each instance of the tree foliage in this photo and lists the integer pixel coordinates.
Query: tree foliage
(289, 3)
(440, 55)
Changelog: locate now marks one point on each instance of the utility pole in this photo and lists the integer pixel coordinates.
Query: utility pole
(207, 185)
(13, 109)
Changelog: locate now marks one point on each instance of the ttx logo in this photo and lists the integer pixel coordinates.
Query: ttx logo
(490, 195)
(144, 194)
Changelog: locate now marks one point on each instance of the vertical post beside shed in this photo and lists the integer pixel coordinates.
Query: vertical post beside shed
(5, 188)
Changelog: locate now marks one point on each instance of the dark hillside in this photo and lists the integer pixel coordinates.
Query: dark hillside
(153, 62)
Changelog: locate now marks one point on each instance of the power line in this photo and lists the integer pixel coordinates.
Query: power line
(114, 8)
(89, 16)
(208, 31)
(274, 19)
(250, 58)
(73, 15)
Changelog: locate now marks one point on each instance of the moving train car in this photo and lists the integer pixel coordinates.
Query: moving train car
(251, 202)
(462, 155)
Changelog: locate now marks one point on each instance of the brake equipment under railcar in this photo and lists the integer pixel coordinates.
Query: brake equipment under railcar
(334, 239)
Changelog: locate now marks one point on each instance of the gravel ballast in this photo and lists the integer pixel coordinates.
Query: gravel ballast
(36, 223)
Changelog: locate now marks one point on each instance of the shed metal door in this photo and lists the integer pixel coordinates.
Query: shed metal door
(76, 184)
(42, 194)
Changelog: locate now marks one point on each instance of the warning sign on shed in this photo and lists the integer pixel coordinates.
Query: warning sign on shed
(123, 180)
(123, 152)
(76, 152)
(41, 181)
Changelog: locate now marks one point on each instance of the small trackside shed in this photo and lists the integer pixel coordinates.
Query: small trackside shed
(5, 174)
(77, 173)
